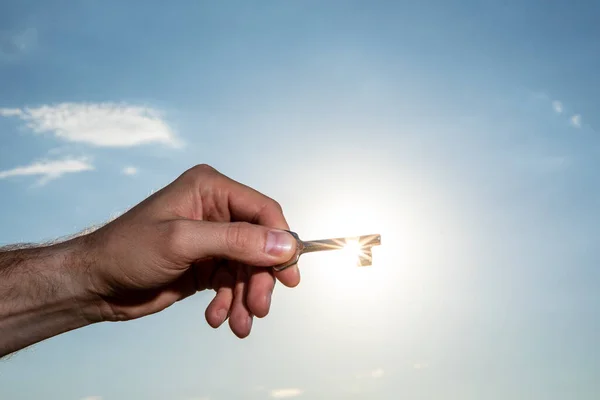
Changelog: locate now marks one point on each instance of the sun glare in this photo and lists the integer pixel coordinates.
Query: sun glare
(351, 252)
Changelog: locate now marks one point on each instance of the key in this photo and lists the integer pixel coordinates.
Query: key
(362, 245)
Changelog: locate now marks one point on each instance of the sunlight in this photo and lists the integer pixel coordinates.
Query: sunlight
(341, 270)
(408, 219)
(339, 273)
(351, 252)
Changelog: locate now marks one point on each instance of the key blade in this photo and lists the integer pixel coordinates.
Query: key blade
(365, 242)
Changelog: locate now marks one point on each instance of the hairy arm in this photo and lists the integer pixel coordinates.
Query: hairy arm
(38, 296)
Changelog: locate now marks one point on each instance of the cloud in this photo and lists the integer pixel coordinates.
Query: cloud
(15, 44)
(377, 373)
(98, 124)
(130, 171)
(557, 106)
(285, 393)
(10, 112)
(420, 365)
(49, 170)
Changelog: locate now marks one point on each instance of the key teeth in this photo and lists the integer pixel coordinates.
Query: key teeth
(366, 258)
(370, 240)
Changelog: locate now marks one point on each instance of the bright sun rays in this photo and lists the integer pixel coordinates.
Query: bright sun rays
(352, 252)
(359, 252)
(348, 269)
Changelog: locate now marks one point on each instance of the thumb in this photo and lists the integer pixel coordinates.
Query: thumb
(247, 243)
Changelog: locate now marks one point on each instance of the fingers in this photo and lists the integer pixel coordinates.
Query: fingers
(220, 307)
(224, 199)
(249, 244)
(240, 320)
(230, 300)
(247, 204)
(260, 290)
(211, 196)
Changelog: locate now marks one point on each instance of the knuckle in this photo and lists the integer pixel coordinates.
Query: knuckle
(175, 237)
(199, 171)
(276, 206)
(203, 169)
(240, 237)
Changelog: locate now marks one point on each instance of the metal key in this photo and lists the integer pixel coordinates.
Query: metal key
(365, 257)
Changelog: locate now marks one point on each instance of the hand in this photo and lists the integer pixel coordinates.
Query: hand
(203, 231)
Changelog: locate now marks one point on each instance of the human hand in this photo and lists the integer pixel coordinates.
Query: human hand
(203, 231)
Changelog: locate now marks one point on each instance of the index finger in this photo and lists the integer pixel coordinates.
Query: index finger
(247, 204)
(224, 199)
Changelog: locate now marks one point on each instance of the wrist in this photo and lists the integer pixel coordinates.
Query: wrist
(41, 294)
(78, 273)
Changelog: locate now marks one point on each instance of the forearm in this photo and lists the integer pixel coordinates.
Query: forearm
(40, 294)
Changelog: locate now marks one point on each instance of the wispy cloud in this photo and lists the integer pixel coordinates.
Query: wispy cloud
(285, 393)
(98, 124)
(14, 44)
(130, 171)
(557, 106)
(10, 112)
(49, 170)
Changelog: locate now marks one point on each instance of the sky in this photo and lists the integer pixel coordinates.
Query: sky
(466, 133)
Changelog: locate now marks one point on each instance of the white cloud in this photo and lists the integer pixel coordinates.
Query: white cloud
(10, 112)
(49, 170)
(377, 373)
(285, 393)
(576, 121)
(130, 171)
(557, 106)
(97, 124)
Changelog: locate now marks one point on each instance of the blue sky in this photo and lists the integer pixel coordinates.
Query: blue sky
(466, 133)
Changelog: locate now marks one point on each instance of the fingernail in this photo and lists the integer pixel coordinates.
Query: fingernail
(279, 243)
